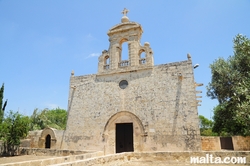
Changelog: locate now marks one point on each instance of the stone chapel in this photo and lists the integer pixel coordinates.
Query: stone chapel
(133, 105)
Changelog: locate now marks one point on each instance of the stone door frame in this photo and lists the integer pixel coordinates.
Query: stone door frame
(110, 129)
(42, 139)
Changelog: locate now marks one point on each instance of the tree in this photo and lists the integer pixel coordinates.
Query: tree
(13, 128)
(206, 126)
(55, 118)
(229, 85)
(1, 102)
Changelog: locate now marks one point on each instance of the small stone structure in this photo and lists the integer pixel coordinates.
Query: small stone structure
(47, 138)
(131, 104)
(50, 138)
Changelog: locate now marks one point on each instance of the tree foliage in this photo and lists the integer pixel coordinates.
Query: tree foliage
(206, 126)
(229, 85)
(13, 128)
(55, 118)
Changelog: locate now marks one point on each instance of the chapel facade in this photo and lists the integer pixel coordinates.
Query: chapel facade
(132, 104)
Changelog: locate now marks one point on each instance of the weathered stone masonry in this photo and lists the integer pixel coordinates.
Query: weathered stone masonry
(159, 101)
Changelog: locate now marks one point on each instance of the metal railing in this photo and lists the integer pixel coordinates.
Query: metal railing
(123, 63)
(142, 61)
(106, 66)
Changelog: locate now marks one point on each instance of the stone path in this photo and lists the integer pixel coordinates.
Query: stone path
(4, 160)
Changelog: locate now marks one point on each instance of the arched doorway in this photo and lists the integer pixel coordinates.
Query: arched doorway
(48, 141)
(123, 133)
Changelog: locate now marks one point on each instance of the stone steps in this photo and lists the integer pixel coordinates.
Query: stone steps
(55, 160)
(154, 158)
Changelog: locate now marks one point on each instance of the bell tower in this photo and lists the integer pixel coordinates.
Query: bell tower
(111, 60)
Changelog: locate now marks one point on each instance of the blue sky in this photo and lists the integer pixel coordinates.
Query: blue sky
(42, 41)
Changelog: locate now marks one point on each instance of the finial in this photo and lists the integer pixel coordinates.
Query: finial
(125, 18)
(72, 73)
(189, 56)
(125, 11)
(146, 44)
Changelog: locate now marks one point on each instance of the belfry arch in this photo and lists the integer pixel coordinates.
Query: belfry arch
(124, 46)
(109, 133)
(107, 60)
(142, 56)
(123, 40)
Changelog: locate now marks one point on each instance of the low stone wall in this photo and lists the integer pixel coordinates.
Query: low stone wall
(210, 143)
(241, 143)
(154, 158)
(2, 149)
(50, 152)
(26, 143)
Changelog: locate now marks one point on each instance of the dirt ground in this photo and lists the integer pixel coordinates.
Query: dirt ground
(4, 160)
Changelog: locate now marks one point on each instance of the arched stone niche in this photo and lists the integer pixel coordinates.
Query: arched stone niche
(44, 134)
(109, 133)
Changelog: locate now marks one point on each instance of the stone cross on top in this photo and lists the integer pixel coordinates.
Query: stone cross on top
(125, 11)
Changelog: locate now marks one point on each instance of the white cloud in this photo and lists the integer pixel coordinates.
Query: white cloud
(89, 37)
(93, 55)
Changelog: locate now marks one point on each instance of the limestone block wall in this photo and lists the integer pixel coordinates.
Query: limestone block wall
(241, 143)
(160, 102)
(25, 143)
(34, 138)
(58, 136)
(210, 143)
